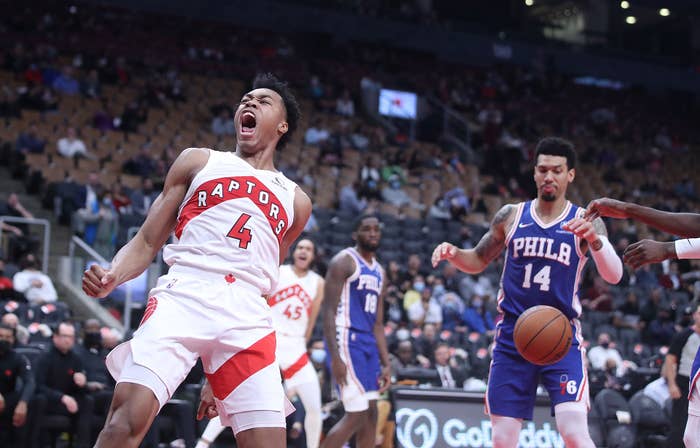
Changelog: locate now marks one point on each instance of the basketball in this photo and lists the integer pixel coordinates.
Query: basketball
(542, 335)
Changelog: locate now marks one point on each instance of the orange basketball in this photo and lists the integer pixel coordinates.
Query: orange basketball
(542, 335)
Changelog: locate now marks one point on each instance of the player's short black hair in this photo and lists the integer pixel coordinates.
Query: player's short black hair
(291, 105)
(557, 146)
(358, 221)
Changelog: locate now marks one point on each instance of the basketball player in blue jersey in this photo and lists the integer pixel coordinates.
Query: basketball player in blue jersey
(354, 332)
(546, 242)
(648, 251)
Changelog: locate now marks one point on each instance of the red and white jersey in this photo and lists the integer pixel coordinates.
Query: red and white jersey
(291, 303)
(232, 221)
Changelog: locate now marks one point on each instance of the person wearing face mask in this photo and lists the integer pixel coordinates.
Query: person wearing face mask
(601, 353)
(36, 286)
(16, 390)
(99, 382)
(427, 310)
(477, 318)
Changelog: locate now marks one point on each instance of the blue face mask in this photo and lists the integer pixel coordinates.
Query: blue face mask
(318, 355)
(438, 290)
(419, 286)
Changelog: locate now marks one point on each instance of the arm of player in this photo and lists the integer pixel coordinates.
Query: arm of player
(681, 224)
(474, 261)
(340, 268)
(137, 254)
(595, 236)
(302, 211)
(315, 309)
(385, 379)
(668, 371)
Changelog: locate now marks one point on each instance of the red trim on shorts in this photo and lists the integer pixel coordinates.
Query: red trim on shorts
(242, 365)
(150, 309)
(297, 366)
(244, 184)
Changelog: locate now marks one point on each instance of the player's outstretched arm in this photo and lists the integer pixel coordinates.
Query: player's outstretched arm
(302, 211)
(339, 269)
(137, 254)
(681, 224)
(474, 261)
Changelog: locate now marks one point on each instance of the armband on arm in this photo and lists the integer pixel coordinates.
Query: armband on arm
(688, 249)
(606, 260)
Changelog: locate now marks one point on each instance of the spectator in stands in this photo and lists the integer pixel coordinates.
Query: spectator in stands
(86, 219)
(662, 328)
(36, 286)
(20, 241)
(135, 113)
(627, 315)
(16, 390)
(393, 308)
(451, 375)
(369, 179)
(72, 146)
(316, 134)
(601, 354)
(425, 341)
(349, 201)
(223, 124)
(598, 297)
(413, 291)
(65, 83)
(103, 119)
(427, 310)
(477, 317)
(142, 164)
(414, 266)
(142, 198)
(61, 380)
(120, 200)
(9, 103)
(404, 358)
(106, 233)
(452, 308)
(676, 370)
(394, 194)
(344, 105)
(5, 281)
(457, 202)
(99, 382)
(90, 86)
(21, 334)
(29, 142)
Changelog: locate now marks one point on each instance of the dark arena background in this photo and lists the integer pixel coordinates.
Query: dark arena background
(425, 112)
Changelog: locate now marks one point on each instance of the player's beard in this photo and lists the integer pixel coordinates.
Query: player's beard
(548, 197)
(368, 247)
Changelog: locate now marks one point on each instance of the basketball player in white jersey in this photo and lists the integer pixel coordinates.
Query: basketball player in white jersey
(295, 306)
(235, 217)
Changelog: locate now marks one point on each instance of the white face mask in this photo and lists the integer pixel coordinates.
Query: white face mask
(318, 355)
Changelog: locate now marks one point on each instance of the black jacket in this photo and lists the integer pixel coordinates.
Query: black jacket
(54, 374)
(16, 376)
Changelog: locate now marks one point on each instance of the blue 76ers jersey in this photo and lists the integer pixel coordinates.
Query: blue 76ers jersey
(357, 309)
(543, 264)
(694, 374)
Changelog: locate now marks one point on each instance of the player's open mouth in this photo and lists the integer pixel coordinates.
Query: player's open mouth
(248, 122)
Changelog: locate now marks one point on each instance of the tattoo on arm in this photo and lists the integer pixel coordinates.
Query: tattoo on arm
(600, 229)
(493, 241)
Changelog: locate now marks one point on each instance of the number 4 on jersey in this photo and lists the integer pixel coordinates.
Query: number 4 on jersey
(240, 233)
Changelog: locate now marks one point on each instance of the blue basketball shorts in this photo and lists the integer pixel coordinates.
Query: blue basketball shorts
(359, 352)
(513, 381)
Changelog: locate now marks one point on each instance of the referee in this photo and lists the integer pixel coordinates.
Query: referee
(676, 371)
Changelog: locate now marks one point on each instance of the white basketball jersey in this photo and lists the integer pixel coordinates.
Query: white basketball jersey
(232, 221)
(291, 303)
